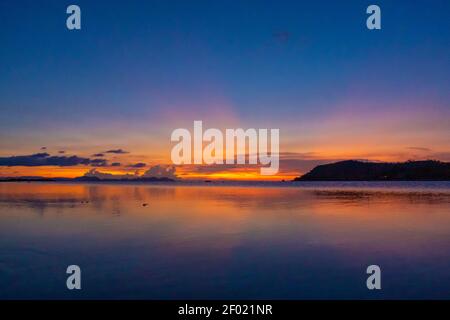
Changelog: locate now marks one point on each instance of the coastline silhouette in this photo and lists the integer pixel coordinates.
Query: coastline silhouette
(354, 170)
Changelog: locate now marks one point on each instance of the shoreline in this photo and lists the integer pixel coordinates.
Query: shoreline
(349, 186)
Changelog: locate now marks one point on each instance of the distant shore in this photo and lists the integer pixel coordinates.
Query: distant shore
(353, 170)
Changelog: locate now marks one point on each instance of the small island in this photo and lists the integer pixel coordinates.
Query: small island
(355, 170)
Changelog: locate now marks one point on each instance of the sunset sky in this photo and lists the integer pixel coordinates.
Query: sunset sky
(137, 70)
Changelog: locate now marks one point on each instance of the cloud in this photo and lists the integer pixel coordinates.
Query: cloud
(61, 152)
(98, 155)
(117, 151)
(44, 148)
(159, 171)
(419, 149)
(299, 155)
(137, 165)
(109, 176)
(115, 164)
(98, 162)
(44, 159)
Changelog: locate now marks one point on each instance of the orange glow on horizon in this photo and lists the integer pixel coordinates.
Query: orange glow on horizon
(289, 168)
(189, 174)
(236, 175)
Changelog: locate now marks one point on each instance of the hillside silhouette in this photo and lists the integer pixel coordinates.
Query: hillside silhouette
(379, 171)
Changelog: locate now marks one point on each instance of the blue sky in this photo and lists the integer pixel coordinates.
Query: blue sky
(159, 64)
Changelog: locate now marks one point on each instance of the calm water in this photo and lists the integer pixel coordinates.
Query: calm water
(225, 241)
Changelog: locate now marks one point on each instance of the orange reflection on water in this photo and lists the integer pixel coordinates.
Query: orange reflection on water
(222, 240)
(342, 213)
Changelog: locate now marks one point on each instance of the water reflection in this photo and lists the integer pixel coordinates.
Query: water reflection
(223, 241)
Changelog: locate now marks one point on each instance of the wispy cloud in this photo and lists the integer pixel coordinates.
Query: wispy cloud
(137, 165)
(117, 151)
(419, 149)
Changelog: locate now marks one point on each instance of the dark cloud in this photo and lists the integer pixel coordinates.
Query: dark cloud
(43, 148)
(117, 151)
(44, 159)
(137, 165)
(115, 164)
(98, 155)
(61, 151)
(98, 162)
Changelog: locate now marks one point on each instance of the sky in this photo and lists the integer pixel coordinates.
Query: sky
(137, 70)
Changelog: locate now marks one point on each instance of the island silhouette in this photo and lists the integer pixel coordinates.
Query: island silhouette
(355, 170)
